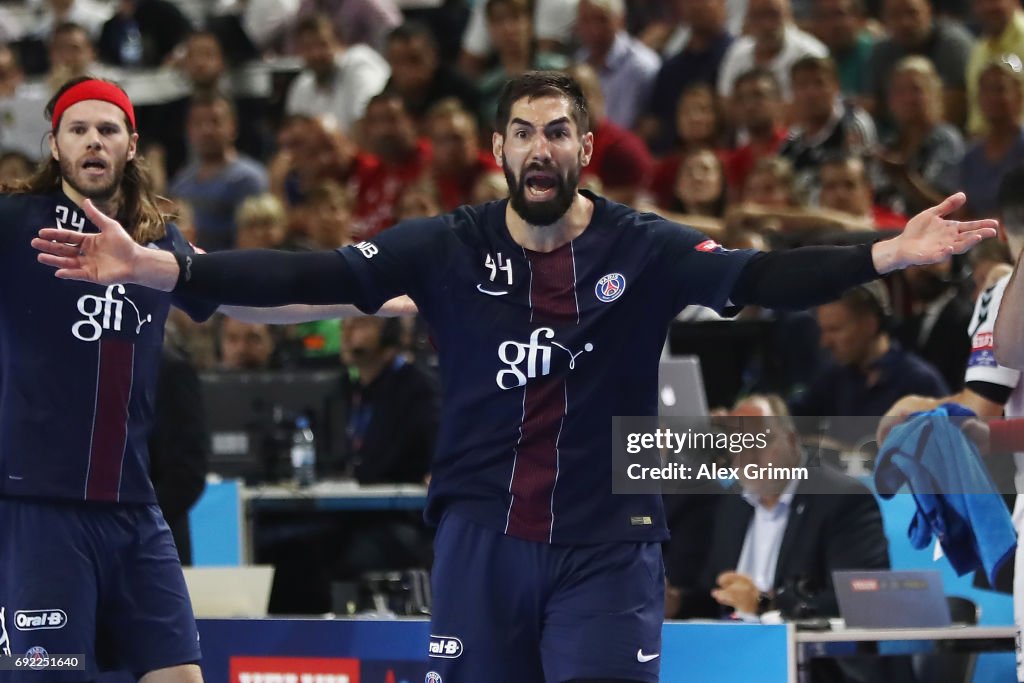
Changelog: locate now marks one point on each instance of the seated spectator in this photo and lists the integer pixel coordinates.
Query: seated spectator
(249, 29)
(846, 188)
(245, 346)
(143, 33)
(394, 406)
(920, 159)
(89, 14)
(72, 55)
(418, 201)
(935, 326)
(773, 42)
(262, 223)
(620, 159)
(14, 168)
(774, 537)
(626, 67)
(205, 68)
(327, 213)
(869, 370)
(1002, 35)
(697, 62)
(337, 80)
(219, 178)
(840, 25)
(357, 21)
(912, 30)
(700, 194)
(458, 160)
(21, 128)
(759, 111)
(391, 137)
(419, 76)
(771, 184)
(510, 26)
(699, 124)
(824, 125)
(1001, 147)
(310, 152)
(554, 22)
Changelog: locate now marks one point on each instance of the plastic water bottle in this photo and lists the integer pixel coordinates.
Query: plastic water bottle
(131, 45)
(303, 453)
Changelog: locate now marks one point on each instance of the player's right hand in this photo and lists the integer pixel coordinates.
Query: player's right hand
(107, 257)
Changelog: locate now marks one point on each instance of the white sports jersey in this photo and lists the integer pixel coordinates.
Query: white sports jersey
(982, 367)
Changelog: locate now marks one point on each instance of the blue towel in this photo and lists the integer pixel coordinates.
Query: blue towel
(955, 497)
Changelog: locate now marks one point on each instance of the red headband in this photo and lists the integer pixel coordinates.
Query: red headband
(93, 90)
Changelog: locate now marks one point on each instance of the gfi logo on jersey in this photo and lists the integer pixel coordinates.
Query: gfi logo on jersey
(36, 619)
(447, 647)
(536, 356)
(104, 313)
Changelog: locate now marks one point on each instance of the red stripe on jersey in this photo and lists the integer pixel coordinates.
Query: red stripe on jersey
(110, 420)
(536, 466)
(553, 303)
(553, 287)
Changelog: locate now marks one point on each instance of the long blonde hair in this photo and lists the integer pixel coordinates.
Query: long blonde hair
(138, 212)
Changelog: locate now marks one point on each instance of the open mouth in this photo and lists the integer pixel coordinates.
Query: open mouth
(540, 184)
(94, 166)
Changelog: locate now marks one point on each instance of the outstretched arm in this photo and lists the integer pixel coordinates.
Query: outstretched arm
(256, 278)
(814, 275)
(302, 313)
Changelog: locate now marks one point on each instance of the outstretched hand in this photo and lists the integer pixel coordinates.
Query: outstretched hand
(105, 257)
(930, 237)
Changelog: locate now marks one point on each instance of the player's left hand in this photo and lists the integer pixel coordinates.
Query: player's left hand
(930, 237)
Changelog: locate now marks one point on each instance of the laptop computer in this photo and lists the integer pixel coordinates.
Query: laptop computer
(891, 599)
(223, 592)
(681, 388)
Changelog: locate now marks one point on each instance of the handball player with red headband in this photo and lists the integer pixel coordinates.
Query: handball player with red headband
(88, 566)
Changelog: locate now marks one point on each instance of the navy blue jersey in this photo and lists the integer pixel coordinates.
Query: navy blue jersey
(538, 351)
(78, 366)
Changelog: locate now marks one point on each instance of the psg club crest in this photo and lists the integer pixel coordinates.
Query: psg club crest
(610, 287)
(433, 677)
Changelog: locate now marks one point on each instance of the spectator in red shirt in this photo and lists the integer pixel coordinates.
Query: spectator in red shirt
(759, 111)
(621, 160)
(390, 135)
(699, 125)
(458, 161)
(699, 196)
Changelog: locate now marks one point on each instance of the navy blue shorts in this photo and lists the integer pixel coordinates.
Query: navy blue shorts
(509, 610)
(98, 580)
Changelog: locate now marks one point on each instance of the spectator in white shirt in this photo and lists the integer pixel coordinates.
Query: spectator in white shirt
(338, 80)
(772, 42)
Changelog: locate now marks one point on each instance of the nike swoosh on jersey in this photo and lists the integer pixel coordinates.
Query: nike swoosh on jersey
(480, 288)
(643, 659)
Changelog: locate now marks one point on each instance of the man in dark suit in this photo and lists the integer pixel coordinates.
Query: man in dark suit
(777, 541)
(783, 535)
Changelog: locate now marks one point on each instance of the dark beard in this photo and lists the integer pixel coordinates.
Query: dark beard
(547, 212)
(101, 194)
